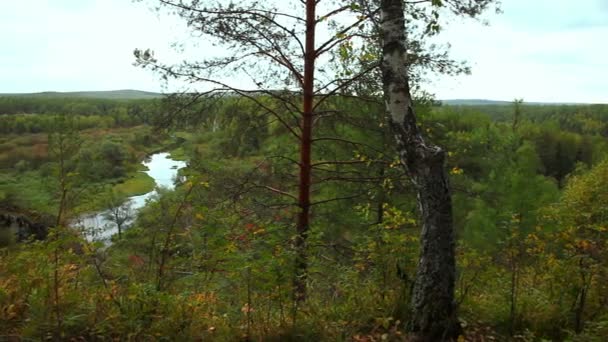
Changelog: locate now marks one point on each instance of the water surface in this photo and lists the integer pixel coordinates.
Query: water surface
(161, 168)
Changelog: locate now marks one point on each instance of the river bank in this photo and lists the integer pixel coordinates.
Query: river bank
(161, 168)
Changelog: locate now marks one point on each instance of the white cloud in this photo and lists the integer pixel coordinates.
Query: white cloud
(88, 46)
(532, 51)
(541, 50)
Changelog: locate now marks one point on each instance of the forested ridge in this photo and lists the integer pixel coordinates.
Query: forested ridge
(529, 211)
(303, 186)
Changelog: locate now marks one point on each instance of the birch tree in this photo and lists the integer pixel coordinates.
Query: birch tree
(433, 311)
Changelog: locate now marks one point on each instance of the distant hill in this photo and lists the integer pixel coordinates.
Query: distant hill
(482, 102)
(131, 94)
(125, 94)
(473, 102)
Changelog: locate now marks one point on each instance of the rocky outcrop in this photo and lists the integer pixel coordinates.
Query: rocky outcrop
(18, 227)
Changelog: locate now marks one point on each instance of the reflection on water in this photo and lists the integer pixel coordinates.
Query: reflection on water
(161, 168)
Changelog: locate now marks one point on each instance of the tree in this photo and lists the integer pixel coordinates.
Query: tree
(517, 104)
(433, 317)
(581, 215)
(64, 144)
(278, 49)
(119, 212)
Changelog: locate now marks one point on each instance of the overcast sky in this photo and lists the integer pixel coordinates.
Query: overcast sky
(539, 50)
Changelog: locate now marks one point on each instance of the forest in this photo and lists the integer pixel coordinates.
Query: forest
(346, 205)
(529, 210)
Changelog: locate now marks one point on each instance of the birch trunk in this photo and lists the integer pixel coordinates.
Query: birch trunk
(433, 310)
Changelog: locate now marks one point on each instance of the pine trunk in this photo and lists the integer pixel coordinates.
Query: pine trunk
(303, 222)
(433, 310)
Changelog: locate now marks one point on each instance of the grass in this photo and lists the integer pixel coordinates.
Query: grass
(28, 188)
(138, 183)
(179, 154)
(141, 167)
(31, 189)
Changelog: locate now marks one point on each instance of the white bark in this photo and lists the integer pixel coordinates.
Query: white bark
(433, 312)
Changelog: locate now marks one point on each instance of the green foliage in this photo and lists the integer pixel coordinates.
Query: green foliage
(214, 258)
(23, 114)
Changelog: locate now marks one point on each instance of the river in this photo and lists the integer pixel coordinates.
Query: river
(161, 168)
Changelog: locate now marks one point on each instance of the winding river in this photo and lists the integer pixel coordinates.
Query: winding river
(161, 168)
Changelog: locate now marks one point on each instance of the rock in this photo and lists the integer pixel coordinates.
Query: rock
(18, 227)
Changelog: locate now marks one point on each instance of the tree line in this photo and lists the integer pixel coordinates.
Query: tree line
(22, 114)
